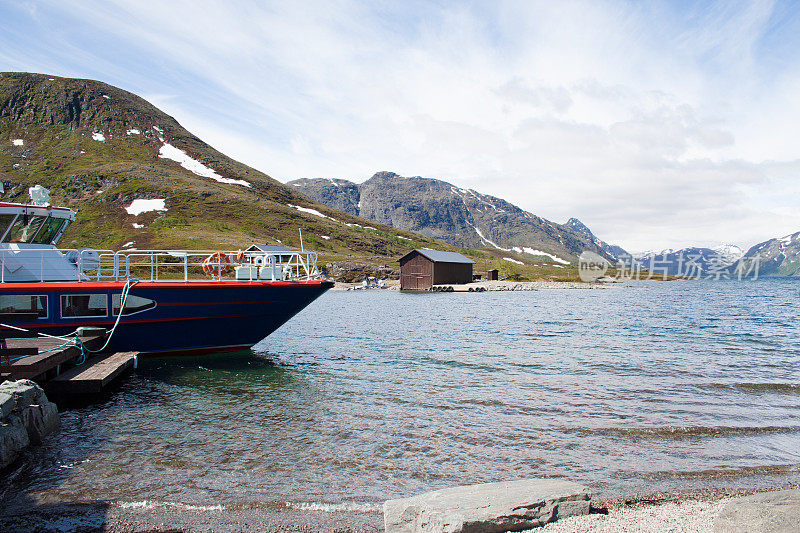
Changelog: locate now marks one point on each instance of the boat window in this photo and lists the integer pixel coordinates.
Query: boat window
(74, 305)
(48, 231)
(133, 304)
(24, 228)
(24, 303)
(5, 221)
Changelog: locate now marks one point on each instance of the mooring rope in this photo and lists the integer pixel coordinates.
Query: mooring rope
(74, 338)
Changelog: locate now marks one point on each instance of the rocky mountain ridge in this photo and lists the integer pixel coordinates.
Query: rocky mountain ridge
(462, 217)
(614, 251)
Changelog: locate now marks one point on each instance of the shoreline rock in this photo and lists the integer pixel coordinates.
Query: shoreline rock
(487, 507)
(27, 417)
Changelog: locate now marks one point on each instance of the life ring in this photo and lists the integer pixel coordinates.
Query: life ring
(216, 263)
(240, 257)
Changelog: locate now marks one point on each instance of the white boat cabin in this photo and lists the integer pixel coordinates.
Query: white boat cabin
(28, 253)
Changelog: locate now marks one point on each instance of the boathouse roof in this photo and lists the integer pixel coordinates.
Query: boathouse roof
(438, 256)
(268, 248)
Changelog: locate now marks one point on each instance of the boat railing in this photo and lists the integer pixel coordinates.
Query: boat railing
(174, 265)
(159, 265)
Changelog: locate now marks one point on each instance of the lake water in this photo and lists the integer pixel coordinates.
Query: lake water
(370, 395)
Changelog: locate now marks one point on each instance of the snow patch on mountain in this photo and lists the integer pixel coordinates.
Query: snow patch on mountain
(310, 211)
(167, 151)
(484, 240)
(141, 205)
(531, 251)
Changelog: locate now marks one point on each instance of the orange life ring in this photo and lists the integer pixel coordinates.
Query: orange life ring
(240, 256)
(216, 263)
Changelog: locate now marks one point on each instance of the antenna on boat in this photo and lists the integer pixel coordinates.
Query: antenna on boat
(301, 240)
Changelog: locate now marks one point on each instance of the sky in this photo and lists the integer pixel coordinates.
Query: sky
(658, 124)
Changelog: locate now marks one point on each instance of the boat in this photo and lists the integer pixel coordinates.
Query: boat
(153, 301)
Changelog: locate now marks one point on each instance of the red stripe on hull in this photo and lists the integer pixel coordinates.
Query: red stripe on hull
(112, 285)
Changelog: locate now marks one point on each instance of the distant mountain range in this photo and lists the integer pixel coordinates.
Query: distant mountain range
(774, 257)
(462, 217)
(690, 262)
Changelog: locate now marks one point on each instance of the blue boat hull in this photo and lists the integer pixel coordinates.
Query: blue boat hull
(188, 318)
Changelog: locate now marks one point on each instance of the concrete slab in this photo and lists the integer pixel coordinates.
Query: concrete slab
(487, 507)
(766, 512)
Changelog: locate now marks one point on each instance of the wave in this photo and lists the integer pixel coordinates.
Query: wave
(789, 388)
(361, 507)
(487, 402)
(688, 432)
(149, 505)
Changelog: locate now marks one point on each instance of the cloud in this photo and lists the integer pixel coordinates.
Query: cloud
(659, 125)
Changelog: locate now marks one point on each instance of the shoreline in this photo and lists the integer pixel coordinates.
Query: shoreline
(487, 286)
(682, 511)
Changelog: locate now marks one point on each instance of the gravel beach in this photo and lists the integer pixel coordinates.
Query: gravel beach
(688, 517)
(690, 512)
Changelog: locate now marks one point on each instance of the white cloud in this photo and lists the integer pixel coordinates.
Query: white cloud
(659, 125)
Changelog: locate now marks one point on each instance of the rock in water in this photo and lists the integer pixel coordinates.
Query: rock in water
(488, 507)
(13, 439)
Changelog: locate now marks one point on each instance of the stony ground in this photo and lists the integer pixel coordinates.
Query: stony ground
(684, 517)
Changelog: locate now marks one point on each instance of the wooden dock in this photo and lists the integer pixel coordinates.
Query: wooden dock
(93, 376)
(56, 363)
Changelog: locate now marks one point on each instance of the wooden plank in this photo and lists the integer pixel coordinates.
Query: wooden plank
(50, 354)
(92, 376)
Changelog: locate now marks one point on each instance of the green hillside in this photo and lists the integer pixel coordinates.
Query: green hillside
(96, 147)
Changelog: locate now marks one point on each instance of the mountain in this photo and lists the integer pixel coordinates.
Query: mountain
(729, 252)
(98, 148)
(777, 257)
(611, 249)
(690, 262)
(462, 217)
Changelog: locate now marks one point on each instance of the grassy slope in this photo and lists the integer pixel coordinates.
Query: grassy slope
(56, 118)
